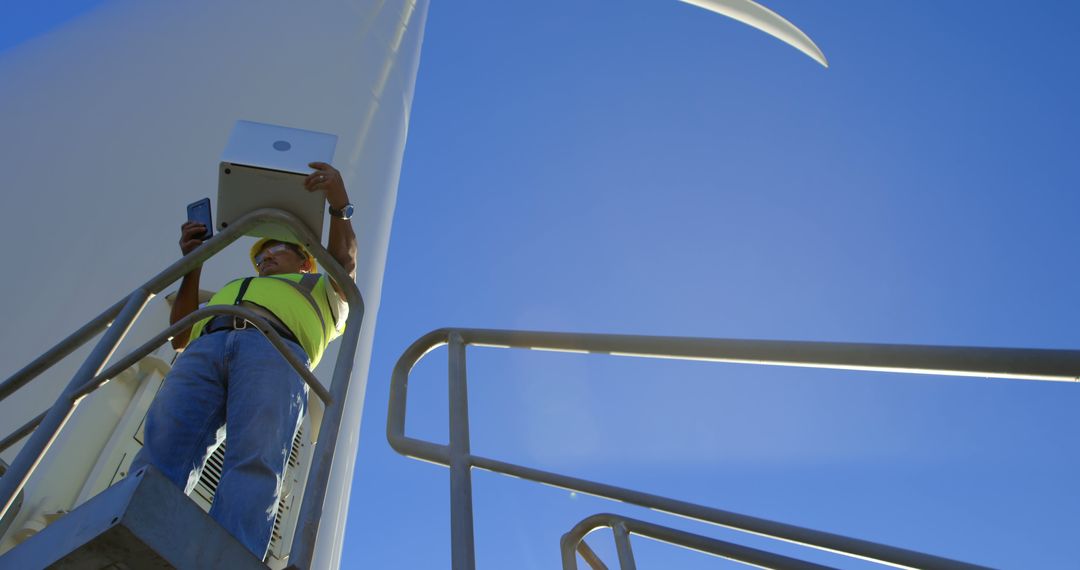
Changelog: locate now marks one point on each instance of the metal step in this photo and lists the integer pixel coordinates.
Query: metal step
(144, 521)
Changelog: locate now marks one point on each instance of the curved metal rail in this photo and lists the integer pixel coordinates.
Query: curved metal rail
(117, 320)
(622, 527)
(1030, 364)
(261, 324)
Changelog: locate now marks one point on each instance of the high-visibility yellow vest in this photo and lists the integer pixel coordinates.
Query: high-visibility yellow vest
(308, 316)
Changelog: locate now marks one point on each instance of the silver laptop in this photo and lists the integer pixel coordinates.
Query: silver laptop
(264, 166)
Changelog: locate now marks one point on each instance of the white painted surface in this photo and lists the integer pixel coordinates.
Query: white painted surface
(753, 14)
(115, 121)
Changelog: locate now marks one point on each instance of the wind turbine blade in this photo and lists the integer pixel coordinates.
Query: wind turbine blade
(753, 14)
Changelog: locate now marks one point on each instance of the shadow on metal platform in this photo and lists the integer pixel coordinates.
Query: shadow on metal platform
(141, 522)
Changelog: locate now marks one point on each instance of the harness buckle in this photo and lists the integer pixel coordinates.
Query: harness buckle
(239, 323)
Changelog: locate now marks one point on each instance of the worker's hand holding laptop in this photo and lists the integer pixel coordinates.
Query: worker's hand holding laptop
(328, 179)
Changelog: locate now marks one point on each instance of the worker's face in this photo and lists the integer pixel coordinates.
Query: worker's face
(277, 258)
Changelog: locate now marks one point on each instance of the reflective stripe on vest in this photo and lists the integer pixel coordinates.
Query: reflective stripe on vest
(298, 300)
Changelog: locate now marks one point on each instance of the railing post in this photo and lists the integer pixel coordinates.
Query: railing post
(29, 456)
(568, 550)
(463, 555)
(622, 546)
(302, 550)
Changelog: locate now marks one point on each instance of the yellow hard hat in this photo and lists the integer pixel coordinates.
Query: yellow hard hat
(259, 245)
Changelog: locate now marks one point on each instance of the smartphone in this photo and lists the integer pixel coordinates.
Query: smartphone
(200, 212)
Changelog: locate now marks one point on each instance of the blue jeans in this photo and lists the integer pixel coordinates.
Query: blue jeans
(239, 381)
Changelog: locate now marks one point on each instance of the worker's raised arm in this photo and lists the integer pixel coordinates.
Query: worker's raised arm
(187, 299)
(342, 241)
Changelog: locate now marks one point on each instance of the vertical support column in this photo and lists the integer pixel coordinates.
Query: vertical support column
(30, 455)
(302, 550)
(622, 546)
(568, 550)
(463, 555)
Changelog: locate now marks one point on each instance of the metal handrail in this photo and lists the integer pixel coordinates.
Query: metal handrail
(5, 522)
(622, 527)
(101, 379)
(118, 320)
(1031, 364)
(259, 322)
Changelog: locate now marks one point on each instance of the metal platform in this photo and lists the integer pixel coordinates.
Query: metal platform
(141, 522)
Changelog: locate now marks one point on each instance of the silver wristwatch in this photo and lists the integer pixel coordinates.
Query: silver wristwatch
(344, 213)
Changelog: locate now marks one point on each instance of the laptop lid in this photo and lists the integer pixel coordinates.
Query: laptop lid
(263, 166)
(278, 148)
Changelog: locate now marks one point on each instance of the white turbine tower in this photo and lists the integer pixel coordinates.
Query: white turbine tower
(115, 121)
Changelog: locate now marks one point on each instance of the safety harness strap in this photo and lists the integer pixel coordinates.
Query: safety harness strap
(243, 289)
(304, 287)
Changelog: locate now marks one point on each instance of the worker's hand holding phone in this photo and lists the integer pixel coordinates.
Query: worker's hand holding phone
(191, 236)
(198, 228)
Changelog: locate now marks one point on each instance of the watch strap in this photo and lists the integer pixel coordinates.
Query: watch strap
(344, 213)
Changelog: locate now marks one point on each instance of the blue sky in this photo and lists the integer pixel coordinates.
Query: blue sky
(646, 167)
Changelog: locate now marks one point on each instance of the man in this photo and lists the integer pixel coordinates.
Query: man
(230, 378)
